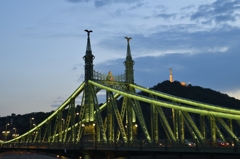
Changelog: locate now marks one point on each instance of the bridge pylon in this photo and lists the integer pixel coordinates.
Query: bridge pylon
(88, 104)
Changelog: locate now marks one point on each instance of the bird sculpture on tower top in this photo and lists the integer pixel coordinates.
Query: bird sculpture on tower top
(128, 38)
(88, 31)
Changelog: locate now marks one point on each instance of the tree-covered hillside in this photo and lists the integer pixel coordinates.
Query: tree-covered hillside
(198, 93)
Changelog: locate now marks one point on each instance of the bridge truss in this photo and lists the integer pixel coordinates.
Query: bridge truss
(122, 119)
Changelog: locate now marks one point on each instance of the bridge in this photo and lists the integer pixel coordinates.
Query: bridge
(122, 128)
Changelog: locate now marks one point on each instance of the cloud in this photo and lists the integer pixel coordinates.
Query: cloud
(234, 93)
(77, 1)
(175, 39)
(219, 11)
(180, 38)
(57, 102)
(188, 7)
(138, 5)
(79, 65)
(101, 3)
(199, 69)
(166, 16)
(80, 78)
(195, 56)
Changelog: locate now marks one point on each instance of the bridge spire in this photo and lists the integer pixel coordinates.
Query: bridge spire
(129, 72)
(89, 130)
(89, 57)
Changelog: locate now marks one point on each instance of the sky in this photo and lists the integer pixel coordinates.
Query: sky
(42, 43)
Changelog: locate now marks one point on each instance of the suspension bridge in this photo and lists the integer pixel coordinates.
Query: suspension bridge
(118, 127)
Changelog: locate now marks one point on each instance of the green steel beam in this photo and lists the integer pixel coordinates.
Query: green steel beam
(194, 127)
(39, 139)
(166, 132)
(98, 115)
(67, 123)
(203, 125)
(110, 127)
(73, 118)
(119, 118)
(45, 132)
(154, 123)
(62, 107)
(102, 107)
(129, 123)
(230, 124)
(194, 136)
(187, 101)
(212, 128)
(227, 128)
(219, 133)
(81, 116)
(105, 125)
(181, 127)
(60, 126)
(49, 134)
(166, 125)
(167, 104)
(87, 103)
(138, 111)
(122, 113)
(175, 115)
(56, 126)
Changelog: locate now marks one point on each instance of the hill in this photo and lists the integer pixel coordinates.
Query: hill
(197, 93)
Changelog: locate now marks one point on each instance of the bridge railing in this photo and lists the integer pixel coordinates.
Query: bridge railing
(187, 143)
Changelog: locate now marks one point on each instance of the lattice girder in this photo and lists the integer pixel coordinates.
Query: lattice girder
(119, 119)
(166, 126)
(130, 110)
(98, 114)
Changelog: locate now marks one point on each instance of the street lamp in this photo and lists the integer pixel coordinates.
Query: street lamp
(63, 123)
(15, 130)
(31, 122)
(14, 135)
(5, 133)
(6, 126)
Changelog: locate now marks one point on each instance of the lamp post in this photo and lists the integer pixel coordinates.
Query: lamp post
(14, 135)
(63, 124)
(15, 130)
(31, 122)
(5, 133)
(6, 126)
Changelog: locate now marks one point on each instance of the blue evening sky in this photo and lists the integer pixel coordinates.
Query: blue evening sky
(42, 43)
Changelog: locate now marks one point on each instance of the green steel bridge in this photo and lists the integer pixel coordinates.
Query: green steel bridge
(119, 127)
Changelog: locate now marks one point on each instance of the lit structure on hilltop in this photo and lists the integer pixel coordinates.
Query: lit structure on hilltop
(171, 78)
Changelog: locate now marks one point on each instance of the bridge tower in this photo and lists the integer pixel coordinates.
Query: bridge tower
(131, 124)
(129, 72)
(88, 101)
(88, 58)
